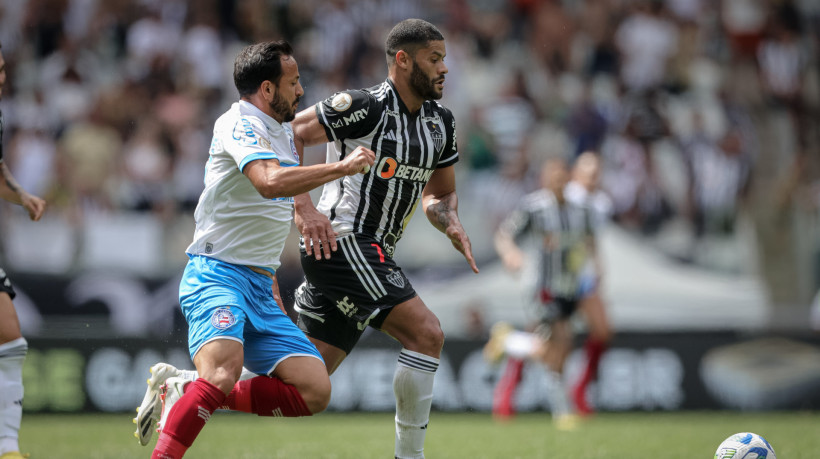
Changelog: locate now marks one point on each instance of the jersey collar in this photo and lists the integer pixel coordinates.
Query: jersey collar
(402, 108)
(252, 109)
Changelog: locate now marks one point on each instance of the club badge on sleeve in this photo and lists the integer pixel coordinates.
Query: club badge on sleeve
(223, 318)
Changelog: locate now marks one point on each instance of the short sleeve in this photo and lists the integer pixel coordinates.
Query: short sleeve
(348, 114)
(248, 139)
(450, 154)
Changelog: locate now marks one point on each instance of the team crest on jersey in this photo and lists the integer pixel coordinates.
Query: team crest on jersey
(438, 137)
(341, 102)
(396, 278)
(436, 127)
(264, 142)
(223, 318)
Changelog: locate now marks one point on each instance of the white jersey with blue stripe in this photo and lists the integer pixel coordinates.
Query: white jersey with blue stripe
(234, 223)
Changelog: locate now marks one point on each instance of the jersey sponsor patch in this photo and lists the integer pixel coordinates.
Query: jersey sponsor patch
(341, 101)
(389, 168)
(243, 132)
(223, 318)
(347, 307)
(355, 117)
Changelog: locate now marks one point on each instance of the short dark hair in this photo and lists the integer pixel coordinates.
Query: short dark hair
(410, 35)
(257, 63)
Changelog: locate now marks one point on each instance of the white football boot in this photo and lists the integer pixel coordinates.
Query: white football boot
(149, 410)
(170, 393)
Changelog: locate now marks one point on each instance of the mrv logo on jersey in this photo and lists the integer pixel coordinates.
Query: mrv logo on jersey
(389, 168)
(354, 117)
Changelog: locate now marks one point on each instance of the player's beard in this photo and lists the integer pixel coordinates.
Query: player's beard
(281, 106)
(423, 85)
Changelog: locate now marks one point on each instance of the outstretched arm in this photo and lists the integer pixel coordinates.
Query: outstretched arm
(511, 255)
(314, 226)
(440, 204)
(11, 191)
(274, 181)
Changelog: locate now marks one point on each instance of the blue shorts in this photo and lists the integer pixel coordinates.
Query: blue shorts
(226, 301)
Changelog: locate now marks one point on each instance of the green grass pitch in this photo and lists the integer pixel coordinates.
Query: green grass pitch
(687, 435)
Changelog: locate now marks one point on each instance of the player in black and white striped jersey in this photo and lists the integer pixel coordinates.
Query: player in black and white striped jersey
(566, 276)
(414, 139)
(13, 347)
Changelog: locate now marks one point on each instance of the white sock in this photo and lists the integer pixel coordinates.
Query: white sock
(557, 393)
(520, 345)
(413, 386)
(192, 375)
(189, 375)
(12, 355)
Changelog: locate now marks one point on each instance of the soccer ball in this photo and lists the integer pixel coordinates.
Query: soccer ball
(745, 445)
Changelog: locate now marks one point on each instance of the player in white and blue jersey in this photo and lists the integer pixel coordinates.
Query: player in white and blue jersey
(228, 291)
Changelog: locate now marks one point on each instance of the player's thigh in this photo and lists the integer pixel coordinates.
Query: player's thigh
(219, 361)
(592, 307)
(9, 323)
(558, 345)
(415, 326)
(332, 355)
(331, 326)
(272, 339)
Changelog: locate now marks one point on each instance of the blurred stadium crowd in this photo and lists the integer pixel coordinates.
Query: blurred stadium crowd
(704, 112)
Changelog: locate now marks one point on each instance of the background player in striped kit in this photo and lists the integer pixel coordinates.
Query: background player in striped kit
(414, 139)
(228, 292)
(564, 235)
(584, 190)
(13, 346)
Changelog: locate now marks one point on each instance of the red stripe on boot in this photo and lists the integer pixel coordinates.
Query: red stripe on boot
(187, 418)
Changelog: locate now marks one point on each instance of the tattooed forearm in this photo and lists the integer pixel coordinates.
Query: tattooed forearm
(9, 189)
(443, 212)
(8, 179)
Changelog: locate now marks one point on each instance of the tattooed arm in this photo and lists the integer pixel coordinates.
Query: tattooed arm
(11, 191)
(440, 204)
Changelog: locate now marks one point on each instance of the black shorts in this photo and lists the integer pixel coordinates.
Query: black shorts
(5, 284)
(356, 287)
(552, 309)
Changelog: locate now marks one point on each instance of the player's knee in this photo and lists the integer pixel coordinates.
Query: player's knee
(602, 335)
(316, 395)
(223, 377)
(430, 338)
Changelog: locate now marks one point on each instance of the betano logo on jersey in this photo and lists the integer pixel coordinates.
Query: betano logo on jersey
(390, 168)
